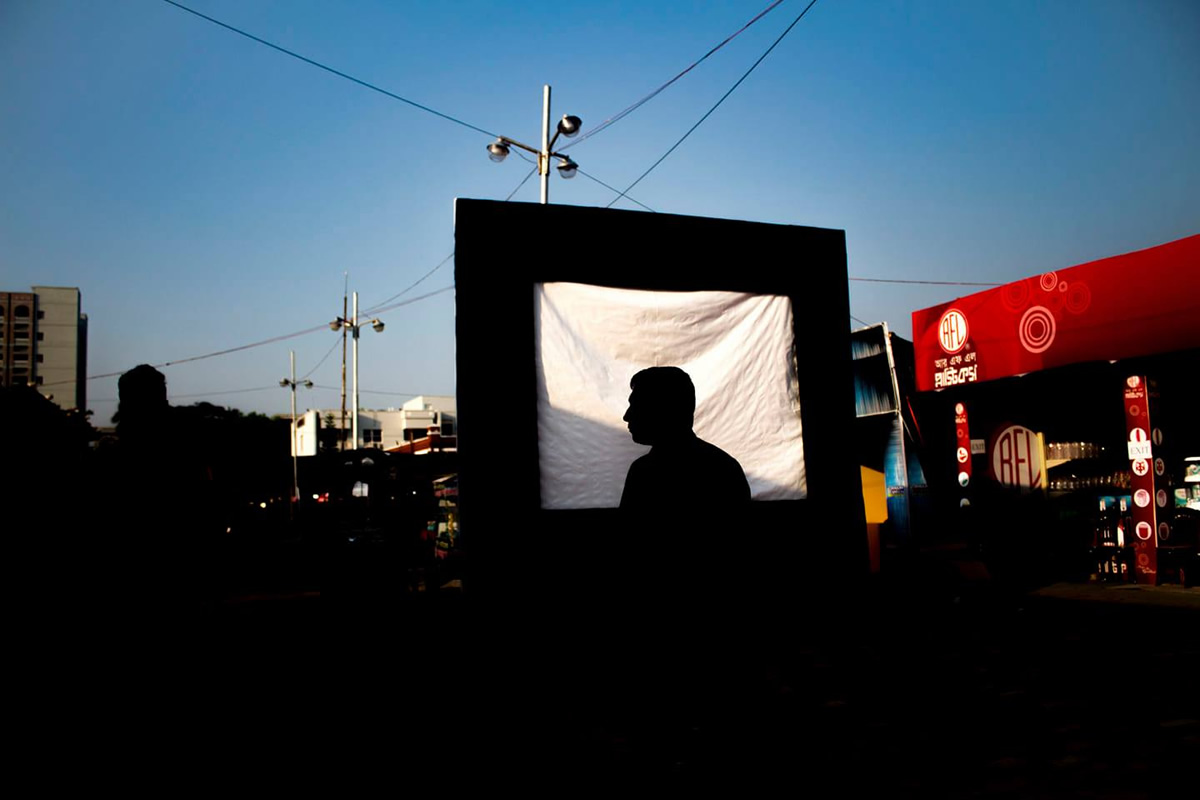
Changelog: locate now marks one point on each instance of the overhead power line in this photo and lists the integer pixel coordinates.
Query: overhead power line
(411, 286)
(614, 189)
(227, 391)
(929, 283)
(524, 181)
(620, 115)
(331, 70)
(369, 391)
(328, 353)
(272, 340)
(716, 105)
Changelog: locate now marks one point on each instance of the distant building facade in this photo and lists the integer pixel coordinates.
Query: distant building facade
(418, 419)
(43, 343)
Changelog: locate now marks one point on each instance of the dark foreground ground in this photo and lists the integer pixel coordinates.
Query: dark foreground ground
(963, 688)
(885, 687)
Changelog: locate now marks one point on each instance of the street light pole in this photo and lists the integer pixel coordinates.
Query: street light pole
(544, 156)
(353, 325)
(295, 433)
(292, 384)
(342, 429)
(568, 126)
(354, 328)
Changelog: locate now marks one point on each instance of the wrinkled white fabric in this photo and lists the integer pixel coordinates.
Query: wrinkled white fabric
(738, 349)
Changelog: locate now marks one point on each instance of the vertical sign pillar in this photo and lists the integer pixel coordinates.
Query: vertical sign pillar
(962, 440)
(1138, 425)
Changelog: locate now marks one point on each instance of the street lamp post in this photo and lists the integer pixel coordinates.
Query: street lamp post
(291, 383)
(354, 325)
(568, 126)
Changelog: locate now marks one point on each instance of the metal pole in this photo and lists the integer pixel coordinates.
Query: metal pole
(544, 156)
(295, 440)
(354, 328)
(342, 430)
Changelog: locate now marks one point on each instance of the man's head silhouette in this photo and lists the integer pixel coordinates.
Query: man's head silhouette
(662, 405)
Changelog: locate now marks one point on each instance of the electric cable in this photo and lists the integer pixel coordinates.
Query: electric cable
(367, 391)
(174, 396)
(715, 106)
(926, 283)
(524, 180)
(615, 189)
(615, 118)
(328, 353)
(271, 340)
(331, 70)
(411, 286)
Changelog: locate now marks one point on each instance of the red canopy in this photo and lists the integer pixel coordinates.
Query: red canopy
(1130, 305)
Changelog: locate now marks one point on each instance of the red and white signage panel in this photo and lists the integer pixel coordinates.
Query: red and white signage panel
(1138, 396)
(1129, 305)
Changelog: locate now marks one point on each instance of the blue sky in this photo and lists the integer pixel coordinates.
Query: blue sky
(205, 191)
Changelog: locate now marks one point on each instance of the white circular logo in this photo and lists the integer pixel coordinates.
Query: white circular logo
(1156, 436)
(1036, 330)
(963, 455)
(1160, 467)
(1144, 531)
(1161, 498)
(1133, 381)
(963, 479)
(1137, 435)
(1015, 458)
(1049, 281)
(1141, 498)
(1141, 467)
(952, 331)
(958, 408)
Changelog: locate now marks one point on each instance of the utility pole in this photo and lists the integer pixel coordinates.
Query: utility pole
(291, 384)
(354, 327)
(342, 430)
(569, 126)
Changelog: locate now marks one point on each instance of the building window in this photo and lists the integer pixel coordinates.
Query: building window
(41, 336)
(41, 314)
(21, 311)
(40, 358)
(38, 380)
(372, 435)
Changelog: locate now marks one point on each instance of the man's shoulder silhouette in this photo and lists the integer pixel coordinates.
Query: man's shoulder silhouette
(682, 474)
(692, 473)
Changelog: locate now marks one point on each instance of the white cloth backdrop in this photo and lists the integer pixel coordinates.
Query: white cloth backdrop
(738, 349)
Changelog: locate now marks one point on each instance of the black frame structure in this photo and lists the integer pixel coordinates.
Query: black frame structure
(503, 250)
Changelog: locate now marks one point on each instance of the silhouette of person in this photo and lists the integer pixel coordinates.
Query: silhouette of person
(662, 407)
(682, 507)
(158, 497)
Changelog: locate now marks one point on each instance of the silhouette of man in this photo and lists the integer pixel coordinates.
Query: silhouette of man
(683, 509)
(682, 475)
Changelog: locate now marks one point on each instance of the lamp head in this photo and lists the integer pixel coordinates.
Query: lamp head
(377, 324)
(567, 168)
(497, 151)
(569, 126)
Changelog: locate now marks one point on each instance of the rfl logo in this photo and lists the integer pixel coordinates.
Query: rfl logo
(952, 331)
